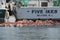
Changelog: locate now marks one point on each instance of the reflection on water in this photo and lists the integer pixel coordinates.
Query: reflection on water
(29, 33)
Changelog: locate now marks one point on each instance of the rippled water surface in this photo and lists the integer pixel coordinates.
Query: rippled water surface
(30, 33)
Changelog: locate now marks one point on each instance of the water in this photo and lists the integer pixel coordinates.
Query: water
(30, 33)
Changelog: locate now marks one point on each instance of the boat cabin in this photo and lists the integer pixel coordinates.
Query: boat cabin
(2, 10)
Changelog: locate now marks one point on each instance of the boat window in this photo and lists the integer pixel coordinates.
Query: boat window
(44, 4)
(7, 1)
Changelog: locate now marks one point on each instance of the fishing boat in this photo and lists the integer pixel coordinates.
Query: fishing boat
(38, 9)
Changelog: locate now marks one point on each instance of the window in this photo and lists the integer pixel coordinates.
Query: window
(7, 1)
(44, 4)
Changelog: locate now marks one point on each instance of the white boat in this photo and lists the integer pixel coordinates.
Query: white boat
(4, 14)
(2, 10)
(39, 9)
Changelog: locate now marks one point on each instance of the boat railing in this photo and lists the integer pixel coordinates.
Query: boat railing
(41, 7)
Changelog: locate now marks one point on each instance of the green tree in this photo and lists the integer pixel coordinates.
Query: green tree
(25, 2)
(55, 3)
(58, 2)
